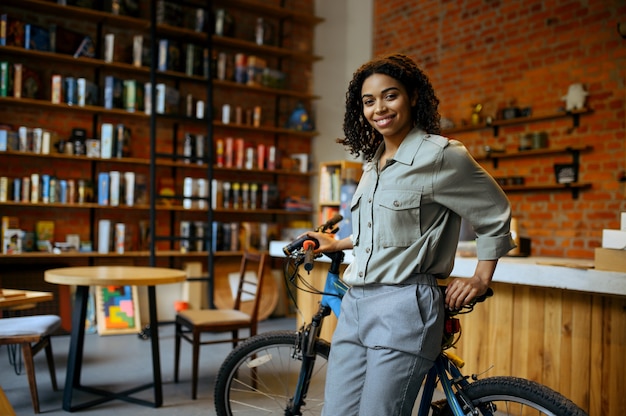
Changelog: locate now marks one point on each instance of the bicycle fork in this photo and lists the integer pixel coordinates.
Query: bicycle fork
(452, 380)
(308, 337)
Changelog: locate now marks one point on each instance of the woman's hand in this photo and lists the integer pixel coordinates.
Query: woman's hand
(461, 291)
(328, 242)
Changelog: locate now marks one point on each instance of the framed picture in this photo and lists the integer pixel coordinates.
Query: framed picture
(117, 310)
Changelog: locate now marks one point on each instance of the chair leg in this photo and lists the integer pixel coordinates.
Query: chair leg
(194, 364)
(235, 335)
(30, 371)
(177, 350)
(50, 360)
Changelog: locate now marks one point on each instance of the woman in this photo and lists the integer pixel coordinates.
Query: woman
(406, 215)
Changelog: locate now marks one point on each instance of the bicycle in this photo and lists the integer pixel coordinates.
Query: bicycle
(283, 372)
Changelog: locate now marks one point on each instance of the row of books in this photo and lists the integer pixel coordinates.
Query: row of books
(53, 38)
(113, 189)
(244, 195)
(330, 184)
(237, 153)
(117, 188)
(27, 139)
(235, 236)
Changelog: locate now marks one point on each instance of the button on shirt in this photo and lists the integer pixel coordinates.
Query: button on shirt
(406, 217)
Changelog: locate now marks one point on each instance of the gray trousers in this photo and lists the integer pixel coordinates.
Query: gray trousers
(385, 342)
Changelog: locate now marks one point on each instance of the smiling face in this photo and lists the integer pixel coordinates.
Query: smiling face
(387, 106)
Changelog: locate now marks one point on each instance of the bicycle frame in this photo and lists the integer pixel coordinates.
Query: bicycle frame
(444, 369)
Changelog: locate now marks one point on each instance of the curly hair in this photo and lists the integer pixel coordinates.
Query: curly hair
(360, 136)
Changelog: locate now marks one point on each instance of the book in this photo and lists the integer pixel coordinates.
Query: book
(109, 47)
(87, 92)
(106, 140)
(56, 90)
(36, 38)
(11, 31)
(114, 195)
(70, 90)
(138, 50)
(169, 13)
(104, 236)
(121, 143)
(86, 48)
(130, 95)
(169, 56)
(129, 188)
(4, 79)
(70, 42)
(44, 234)
(103, 188)
(17, 80)
(113, 92)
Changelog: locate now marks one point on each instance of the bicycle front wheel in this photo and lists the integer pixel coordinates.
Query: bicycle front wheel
(517, 396)
(260, 375)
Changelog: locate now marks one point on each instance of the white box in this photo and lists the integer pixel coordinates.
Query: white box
(615, 239)
(623, 222)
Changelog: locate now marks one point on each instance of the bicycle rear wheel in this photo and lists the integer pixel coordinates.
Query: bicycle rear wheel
(517, 396)
(260, 375)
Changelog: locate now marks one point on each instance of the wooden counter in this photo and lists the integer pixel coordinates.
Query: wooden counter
(555, 321)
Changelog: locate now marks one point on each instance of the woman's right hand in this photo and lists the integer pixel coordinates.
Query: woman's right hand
(328, 242)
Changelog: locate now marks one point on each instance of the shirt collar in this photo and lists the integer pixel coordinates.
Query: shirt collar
(409, 146)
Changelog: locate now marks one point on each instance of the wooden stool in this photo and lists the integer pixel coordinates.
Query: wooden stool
(32, 334)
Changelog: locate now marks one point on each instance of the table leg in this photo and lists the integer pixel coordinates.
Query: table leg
(77, 339)
(154, 339)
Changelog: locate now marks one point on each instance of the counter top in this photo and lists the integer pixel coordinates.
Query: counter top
(554, 272)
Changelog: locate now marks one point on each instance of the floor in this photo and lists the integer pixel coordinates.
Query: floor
(118, 361)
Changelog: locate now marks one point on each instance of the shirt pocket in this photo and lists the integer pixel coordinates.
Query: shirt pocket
(398, 219)
(356, 216)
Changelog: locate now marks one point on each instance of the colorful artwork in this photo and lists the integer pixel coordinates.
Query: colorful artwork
(118, 310)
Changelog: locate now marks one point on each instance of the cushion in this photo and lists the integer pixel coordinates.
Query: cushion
(29, 325)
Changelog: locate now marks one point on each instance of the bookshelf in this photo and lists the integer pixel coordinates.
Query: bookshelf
(188, 67)
(331, 200)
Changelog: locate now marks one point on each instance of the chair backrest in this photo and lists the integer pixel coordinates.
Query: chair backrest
(249, 286)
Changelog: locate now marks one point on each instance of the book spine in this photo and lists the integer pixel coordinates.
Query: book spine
(104, 236)
(34, 188)
(45, 188)
(17, 80)
(129, 188)
(108, 92)
(202, 186)
(4, 189)
(3, 29)
(162, 60)
(37, 140)
(4, 79)
(45, 143)
(70, 90)
(27, 30)
(106, 140)
(137, 50)
(56, 90)
(109, 47)
(239, 153)
(103, 188)
(81, 91)
(115, 188)
(130, 95)
(120, 236)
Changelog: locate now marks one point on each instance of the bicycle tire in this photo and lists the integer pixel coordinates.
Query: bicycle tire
(518, 396)
(240, 391)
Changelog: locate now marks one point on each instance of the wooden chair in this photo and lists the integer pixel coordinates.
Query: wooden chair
(31, 334)
(190, 324)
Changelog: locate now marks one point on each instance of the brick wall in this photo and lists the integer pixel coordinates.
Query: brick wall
(527, 53)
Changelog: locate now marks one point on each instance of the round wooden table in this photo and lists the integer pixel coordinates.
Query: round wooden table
(82, 278)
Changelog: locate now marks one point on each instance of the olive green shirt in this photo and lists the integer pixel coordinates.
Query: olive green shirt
(406, 217)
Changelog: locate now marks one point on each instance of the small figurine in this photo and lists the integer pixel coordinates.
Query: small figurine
(299, 119)
(575, 98)
(476, 118)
